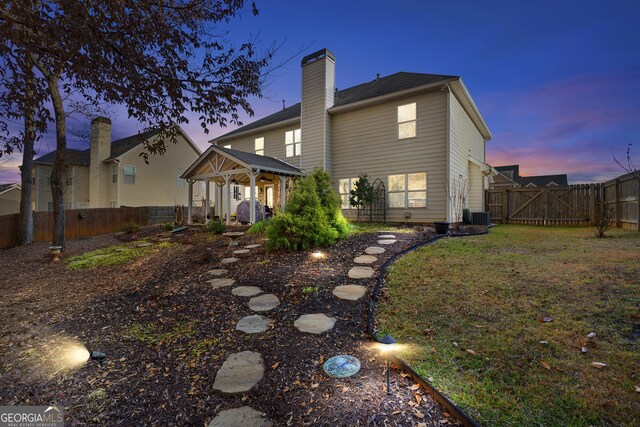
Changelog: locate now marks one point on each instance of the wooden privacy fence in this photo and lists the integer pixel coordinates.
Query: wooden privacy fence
(78, 223)
(567, 205)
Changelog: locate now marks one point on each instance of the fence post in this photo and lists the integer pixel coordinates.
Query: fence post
(505, 208)
(617, 205)
(592, 203)
(545, 211)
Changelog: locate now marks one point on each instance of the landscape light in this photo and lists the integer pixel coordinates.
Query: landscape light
(97, 356)
(318, 255)
(386, 345)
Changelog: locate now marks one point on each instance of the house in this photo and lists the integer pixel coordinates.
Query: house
(509, 177)
(10, 198)
(112, 173)
(415, 133)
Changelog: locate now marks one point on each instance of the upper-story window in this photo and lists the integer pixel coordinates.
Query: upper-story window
(407, 121)
(293, 142)
(260, 146)
(129, 174)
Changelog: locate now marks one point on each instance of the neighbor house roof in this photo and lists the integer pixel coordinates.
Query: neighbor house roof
(7, 187)
(544, 180)
(71, 156)
(121, 146)
(397, 82)
(509, 168)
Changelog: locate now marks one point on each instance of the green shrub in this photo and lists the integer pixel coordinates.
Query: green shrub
(216, 227)
(259, 227)
(169, 225)
(130, 228)
(312, 216)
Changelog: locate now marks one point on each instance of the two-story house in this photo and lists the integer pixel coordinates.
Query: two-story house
(112, 173)
(415, 132)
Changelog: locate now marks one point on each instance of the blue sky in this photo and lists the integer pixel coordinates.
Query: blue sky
(558, 83)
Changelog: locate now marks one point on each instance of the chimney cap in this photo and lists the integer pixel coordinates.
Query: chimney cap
(316, 56)
(105, 120)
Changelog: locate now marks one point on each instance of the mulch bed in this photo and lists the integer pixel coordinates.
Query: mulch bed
(166, 334)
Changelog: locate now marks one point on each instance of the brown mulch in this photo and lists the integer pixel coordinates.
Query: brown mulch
(164, 375)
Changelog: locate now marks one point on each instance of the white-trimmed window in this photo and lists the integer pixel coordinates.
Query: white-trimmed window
(180, 183)
(260, 146)
(227, 146)
(345, 186)
(407, 121)
(129, 172)
(114, 174)
(408, 190)
(293, 142)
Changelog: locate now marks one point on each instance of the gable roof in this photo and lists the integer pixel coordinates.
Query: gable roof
(509, 168)
(71, 156)
(379, 87)
(544, 180)
(121, 146)
(6, 187)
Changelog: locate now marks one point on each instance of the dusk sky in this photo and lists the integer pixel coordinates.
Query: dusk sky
(558, 83)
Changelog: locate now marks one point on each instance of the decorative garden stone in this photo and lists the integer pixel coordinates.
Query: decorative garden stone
(239, 373)
(264, 302)
(315, 323)
(254, 324)
(361, 272)
(243, 416)
(350, 292)
(246, 291)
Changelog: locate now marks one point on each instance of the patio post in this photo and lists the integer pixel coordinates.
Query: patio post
(228, 191)
(252, 198)
(206, 201)
(283, 191)
(190, 201)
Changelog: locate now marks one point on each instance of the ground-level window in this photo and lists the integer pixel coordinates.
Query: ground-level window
(293, 142)
(260, 146)
(408, 190)
(129, 174)
(345, 186)
(407, 121)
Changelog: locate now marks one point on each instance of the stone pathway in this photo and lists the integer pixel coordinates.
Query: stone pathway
(243, 416)
(264, 302)
(350, 292)
(254, 324)
(228, 260)
(241, 251)
(252, 246)
(386, 242)
(246, 291)
(374, 250)
(239, 373)
(221, 283)
(365, 259)
(361, 273)
(315, 323)
(218, 271)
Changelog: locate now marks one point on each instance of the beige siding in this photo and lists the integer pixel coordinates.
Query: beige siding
(156, 183)
(466, 143)
(99, 185)
(78, 193)
(10, 202)
(41, 191)
(366, 141)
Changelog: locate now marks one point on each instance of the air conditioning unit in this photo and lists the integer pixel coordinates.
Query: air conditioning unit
(481, 218)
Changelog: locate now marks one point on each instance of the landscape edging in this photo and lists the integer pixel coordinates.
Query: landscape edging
(458, 413)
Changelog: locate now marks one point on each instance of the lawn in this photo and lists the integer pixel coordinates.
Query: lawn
(500, 324)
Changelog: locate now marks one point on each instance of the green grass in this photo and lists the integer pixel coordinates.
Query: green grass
(488, 294)
(113, 255)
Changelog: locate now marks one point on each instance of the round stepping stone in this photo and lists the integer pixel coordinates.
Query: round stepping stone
(253, 324)
(244, 416)
(387, 236)
(365, 259)
(221, 283)
(341, 366)
(386, 242)
(239, 373)
(350, 292)
(361, 272)
(246, 291)
(228, 260)
(374, 250)
(218, 271)
(264, 302)
(253, 246)
(314, 323)
(241, 251)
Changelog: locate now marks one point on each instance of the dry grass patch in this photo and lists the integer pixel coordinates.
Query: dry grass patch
(474, 309)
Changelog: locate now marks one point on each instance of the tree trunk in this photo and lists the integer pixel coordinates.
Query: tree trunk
(57, 189)
(26, 211)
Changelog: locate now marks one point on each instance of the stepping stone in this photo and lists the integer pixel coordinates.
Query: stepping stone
(314, 323)
(365, 259)
(239, 373)
(246, 291)
(361, 272)
(228, 260)
(350, 292)
(387, 236)
(386, 242)
(253, 324)
(374, 250)
(218, 271)
(241, 251)
(144, 245)
(252, 246)
(244, 416)
(165, 239)
(221, 283)
(99, 256)
(264, 302)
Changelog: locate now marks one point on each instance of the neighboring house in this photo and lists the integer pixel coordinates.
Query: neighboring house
(509, 177)
(414, 132)
(112, 174)
(10, 198)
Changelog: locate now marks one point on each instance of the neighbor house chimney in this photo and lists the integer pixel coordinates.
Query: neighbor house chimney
(318, 90)
(100, 151)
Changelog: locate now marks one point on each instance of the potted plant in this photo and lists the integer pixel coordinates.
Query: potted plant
(442, 227)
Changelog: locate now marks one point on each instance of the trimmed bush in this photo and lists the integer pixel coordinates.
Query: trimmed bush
(312, 217)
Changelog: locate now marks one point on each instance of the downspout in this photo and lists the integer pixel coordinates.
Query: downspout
(448, 175)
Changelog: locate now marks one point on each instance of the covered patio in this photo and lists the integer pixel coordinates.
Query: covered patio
(226, 167)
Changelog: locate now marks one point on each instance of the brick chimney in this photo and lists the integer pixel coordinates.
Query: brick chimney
(100, 151)
(318, 90)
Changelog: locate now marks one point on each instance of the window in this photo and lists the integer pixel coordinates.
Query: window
(407, 121)
(112, 204)
(345, 186)
(129, 174)
(408, 190)
(68, 205)
(227, 146)
(293, 142)
(260, 146)
(180, 183)
(49, 206)
(114, 173)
